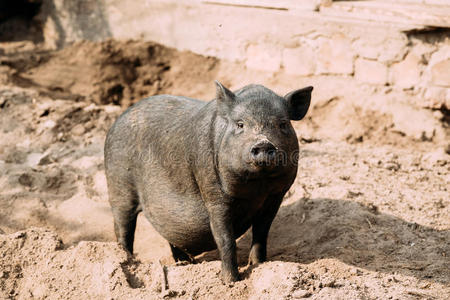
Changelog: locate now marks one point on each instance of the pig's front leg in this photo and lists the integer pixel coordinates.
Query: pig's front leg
(220, 217)
(260, 228)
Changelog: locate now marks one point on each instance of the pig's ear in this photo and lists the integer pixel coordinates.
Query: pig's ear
(298, 102)
(225, 98)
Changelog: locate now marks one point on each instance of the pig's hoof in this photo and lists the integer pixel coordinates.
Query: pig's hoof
(182, 263)
(256, 258)
(180, 256)
(229, 278)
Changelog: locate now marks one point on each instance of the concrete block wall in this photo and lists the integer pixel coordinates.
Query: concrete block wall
(402, 54)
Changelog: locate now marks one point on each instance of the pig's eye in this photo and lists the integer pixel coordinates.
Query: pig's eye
(283, 125)
(240, 124)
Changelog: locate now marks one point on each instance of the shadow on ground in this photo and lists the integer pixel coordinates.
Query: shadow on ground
(313, 229)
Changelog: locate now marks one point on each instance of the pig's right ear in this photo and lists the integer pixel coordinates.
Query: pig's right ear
(298, 102)
(225, 98)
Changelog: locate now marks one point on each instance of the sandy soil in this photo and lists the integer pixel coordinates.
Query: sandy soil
(367, 218)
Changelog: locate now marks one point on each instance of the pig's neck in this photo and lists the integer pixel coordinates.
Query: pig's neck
(203, 145)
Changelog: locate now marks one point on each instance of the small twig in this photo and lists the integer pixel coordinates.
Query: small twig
(370, 224)
(164, 281)
(303, 218)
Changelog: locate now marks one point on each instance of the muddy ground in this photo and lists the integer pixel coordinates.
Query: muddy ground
(368, 216)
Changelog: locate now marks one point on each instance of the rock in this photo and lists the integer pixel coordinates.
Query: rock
(352, 194)
(436, 158)
(392, 166)
(327, 282)
(47, 159)
(78, 130)
(299, 294)
(5, 72)
(368, 47)
(415, 123)
(49, 124)
(437, 97)
(299, 61)
(394, 49)
(371, 71)
(440, 73)
(378, 47)
(26, 180)
(19, 235)
(356, 272)
(264, 58)
(112, 109)
(33, 159)
(439, 67)
(406, 74)
(335, 56)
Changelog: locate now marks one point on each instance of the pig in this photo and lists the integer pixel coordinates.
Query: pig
(204, 172)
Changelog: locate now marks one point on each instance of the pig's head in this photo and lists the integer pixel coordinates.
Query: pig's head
(254, 135)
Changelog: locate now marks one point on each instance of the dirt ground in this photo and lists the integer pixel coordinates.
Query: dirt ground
(368, 216)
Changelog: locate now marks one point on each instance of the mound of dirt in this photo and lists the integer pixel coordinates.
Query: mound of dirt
(34, 265)
(111, 72)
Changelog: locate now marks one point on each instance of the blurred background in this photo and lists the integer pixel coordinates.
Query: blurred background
(368, 60)
(371, 198)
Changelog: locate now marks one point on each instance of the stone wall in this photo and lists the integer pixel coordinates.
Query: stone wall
(364, 40)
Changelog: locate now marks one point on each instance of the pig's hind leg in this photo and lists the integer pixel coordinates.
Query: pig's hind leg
(125, 208)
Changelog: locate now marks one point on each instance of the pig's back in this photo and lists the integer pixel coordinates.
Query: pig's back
(153, 120)
(162, 111)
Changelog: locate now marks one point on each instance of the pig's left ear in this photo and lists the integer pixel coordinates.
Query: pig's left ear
(225, 98)
(298, 102)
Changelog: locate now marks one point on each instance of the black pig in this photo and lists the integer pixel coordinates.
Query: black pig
(204, 172)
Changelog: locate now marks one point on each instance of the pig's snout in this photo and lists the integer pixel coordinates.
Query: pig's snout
(263, 153)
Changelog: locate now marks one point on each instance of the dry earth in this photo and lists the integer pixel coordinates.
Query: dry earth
(367, 218)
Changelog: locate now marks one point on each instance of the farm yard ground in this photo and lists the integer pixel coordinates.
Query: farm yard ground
(368, 216)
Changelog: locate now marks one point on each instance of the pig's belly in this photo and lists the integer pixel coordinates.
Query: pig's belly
(182, 220)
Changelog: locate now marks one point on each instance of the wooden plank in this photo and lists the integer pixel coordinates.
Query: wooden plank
(267, 4)
(227, 3)
(401, 13)
(404, 14)
(421, 2)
